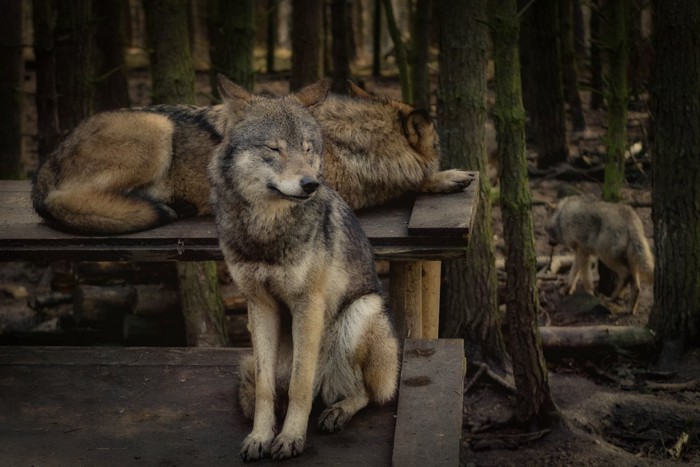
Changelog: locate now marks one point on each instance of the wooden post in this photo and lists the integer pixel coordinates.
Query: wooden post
(405, 298)
(430, 298)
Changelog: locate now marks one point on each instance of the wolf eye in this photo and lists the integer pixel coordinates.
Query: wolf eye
(273, 148)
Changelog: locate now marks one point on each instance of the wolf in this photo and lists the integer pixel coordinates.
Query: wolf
(135, 169)
(611, 232)
(318, 323)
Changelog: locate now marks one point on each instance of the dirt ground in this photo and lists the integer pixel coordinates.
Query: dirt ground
(616, 408)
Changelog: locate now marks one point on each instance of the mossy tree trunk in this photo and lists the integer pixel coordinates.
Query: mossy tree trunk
(675, 109)
(11, 93)
(307, 43)
(469, 307)
(616, 44)
(231, 27)
(173, 83)
(534, 401)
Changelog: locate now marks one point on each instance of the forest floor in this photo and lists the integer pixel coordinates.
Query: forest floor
(616, 407)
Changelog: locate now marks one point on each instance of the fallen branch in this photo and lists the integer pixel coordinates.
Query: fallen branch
(691, 385)
(595, 336)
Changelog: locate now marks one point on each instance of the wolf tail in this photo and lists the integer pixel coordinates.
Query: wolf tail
(641, 259)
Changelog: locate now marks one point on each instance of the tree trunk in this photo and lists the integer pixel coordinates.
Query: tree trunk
(534, 401)
(173, 82)
(11, 93)
(46, 97)
(596, 24)
(675, 316)
(172, 70)
(420, 49)
(231, 41)
(377, 39)
(341, 22)
(307, 43)
(541, 72)
(271, 36)
(568, 61)
(73, 44)
(111, 87)
(401, 53)
(616, 44)
(468, 296)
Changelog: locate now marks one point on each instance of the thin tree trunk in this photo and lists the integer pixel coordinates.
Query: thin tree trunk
(569, 73)
(11, 92)
(173, 82)
(534, 401)
(307, 43)
(401, 53)
(73, 44)
(340, 24)
(377, 39)
(596, 55)
(231, 40)
(420, 46)
(111, 87)
(271, 36)
(616, 44)
(468, 297)
(675, 316)
(46, 96)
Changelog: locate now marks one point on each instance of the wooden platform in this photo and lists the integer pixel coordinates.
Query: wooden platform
(413, 234)
(177, 407)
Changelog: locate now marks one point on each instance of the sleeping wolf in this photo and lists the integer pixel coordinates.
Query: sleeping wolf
(317, 319)
(610, 231)
(134, 169)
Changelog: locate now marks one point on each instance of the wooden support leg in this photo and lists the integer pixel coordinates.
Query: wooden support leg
(431, 298)
(405, 297)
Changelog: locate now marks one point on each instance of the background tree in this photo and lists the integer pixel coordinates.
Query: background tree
(534, 401)
(420, 45)
(173, 83)
(617, 46)
(11, 93)
(568, 64)
(73, 43)
(231, 27)
(46, 100)
(110, 81)
(341, 24)
(307, 43)
(469, 307)
(401, 53)
(541, 77)
(377, 39)
(675, 315)
(271, 15)
(596, 29)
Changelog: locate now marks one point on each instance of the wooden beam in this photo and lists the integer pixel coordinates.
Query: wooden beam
(431, 298)
(405, 298)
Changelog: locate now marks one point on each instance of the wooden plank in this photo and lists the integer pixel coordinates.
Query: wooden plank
(429, 417)
(24, 236)
(450, 215)
(178, 407)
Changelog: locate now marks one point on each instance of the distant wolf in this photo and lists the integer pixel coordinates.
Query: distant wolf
(134, 169)
(317, 319)
(611, 232)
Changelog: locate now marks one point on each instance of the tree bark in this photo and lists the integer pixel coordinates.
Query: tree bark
(534, 401)
(596, 26)
(341, 22)
(568, 61)
(11, 92)
(307, 43)
(377, 39)
(420, 48)
(111, 87)
(173, 82)
(73, 42)
(468, 295)
(271, 35)
(231, 41)
(46, 98)
(541, 75)
(675, 315)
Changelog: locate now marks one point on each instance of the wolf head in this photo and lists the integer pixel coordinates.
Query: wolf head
(272, 146)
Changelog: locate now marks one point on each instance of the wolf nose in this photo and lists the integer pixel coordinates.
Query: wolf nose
(309, 185)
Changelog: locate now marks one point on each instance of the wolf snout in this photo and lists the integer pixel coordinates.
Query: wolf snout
(309, 185)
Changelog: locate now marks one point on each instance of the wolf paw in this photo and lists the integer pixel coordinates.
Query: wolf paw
(254, 447)
(448, 181)
(284, 446)
(333, 419)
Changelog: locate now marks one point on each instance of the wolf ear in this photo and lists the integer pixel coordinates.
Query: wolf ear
(416, 123)
(230, 91)
(314, 93)
(356, 91)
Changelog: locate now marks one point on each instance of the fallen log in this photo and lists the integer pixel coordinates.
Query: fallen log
(595, 336)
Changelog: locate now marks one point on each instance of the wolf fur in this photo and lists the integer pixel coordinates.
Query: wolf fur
(135, 169)
(317, 320)
(611, 232)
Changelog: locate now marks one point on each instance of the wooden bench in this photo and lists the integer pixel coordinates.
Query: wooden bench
(414, 235)
(166, 406)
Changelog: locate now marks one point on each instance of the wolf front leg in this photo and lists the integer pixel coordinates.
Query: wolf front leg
(264, 320)
(307, 331)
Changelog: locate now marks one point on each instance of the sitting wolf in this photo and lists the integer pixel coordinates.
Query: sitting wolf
(316, 316)
(612, 232)
(134, 169)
